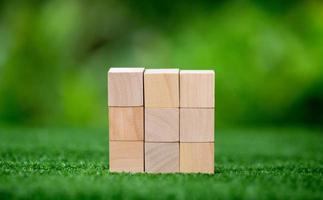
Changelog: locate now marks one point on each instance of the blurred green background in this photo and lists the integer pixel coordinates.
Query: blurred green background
(54, 56)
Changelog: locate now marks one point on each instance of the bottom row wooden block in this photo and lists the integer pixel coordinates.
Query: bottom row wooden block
(161, 157)
(197, 157)
(128, 156)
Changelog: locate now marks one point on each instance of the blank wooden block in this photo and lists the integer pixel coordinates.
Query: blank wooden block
(197, 157)
(197, 88)
(162, 124)
(161, 157)
(126, 156)
(126, 123)
(162, 88)
(125, 86)
(196, 124)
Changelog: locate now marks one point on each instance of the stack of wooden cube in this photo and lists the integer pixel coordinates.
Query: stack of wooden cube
(161, 120)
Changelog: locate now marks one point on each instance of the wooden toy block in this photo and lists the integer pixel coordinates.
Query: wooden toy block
(161, 157)
(125, 86)
(126, 156)
(196, 124)
(161, 88)
(162, 124)
(126, 123)
(197, 157)
(197, 88)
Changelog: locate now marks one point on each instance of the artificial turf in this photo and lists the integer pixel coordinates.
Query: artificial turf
(47, 163)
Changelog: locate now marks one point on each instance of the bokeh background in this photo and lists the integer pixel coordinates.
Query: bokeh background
(268, 56)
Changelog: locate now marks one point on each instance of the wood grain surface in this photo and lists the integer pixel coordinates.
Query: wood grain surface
(125, 87)
(196, 124)
(161, 157)
(197, 157)
(126, 123)
(197, 88)
(162, 124)
(161, 88)
(126, 156)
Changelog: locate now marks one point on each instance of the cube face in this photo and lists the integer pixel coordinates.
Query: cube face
(197, 88)
(161, 157)
(125, 86)
(126, 156)
(196, 125)
(126, 123)
(162, 88)
(162, 124)
(197, 157)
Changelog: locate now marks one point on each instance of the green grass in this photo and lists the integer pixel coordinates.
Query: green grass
(73, 163)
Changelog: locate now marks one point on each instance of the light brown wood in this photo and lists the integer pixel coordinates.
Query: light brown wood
(126, 156)
(196, 124)
(125, 86)
(161, 157)
(197, 88)
(126, 123)
(197, 157)
(162, 88)
(162, 124)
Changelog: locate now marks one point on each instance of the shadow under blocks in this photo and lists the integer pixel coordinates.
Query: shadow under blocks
(161, 120)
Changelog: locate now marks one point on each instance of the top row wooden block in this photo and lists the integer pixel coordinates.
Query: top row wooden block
(161, 88)
(197, 88)
(125, 86)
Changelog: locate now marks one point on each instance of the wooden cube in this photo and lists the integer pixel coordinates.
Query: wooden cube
(126, 123)
(126, 156)
(161, 157)
(162, 124)
(125, 86)
(161, 88)
(197, 88)
(197, 157)
(196, 124)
